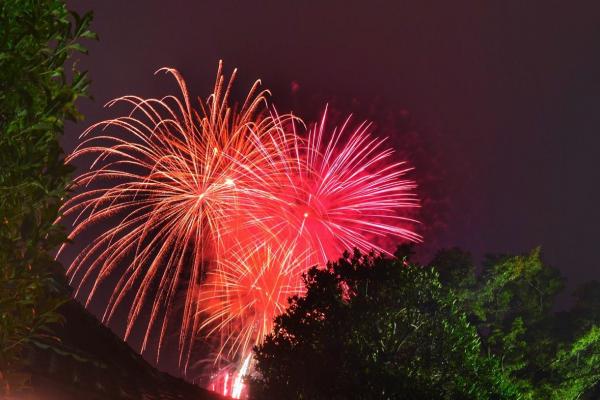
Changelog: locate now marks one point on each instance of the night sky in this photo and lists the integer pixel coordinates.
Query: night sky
(505, 95)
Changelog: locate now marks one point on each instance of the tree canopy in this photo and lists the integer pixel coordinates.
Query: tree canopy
(37, 39)
(371, 327)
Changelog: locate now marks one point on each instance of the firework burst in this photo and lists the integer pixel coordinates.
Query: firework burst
(245, 291)
(339, 190)
(224, 208)
(164, 183)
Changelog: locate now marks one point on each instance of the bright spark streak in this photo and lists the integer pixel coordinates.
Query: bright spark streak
(238, 385)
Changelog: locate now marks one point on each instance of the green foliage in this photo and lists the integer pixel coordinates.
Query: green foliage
(456, 272)
(37, 38)
(512, 307)
(576, 369)
(548, 355)
(375, 328)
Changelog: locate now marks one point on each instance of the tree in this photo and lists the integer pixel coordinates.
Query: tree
(548, 355)
(37, 38)
(371, 327)
(511, 304)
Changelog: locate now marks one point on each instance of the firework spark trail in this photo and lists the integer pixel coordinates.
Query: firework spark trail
(227, 207)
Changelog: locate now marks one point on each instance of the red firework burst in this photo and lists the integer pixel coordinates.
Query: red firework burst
(226, 207)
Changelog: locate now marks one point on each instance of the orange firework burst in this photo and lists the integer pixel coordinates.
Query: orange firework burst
(224, 207)
(167, 180)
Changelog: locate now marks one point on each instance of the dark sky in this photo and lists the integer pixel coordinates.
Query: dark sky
(508, 92)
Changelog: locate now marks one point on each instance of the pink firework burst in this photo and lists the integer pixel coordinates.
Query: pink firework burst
(339, 190)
